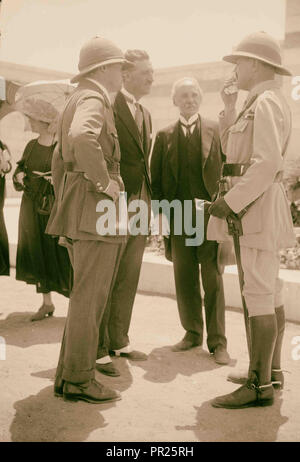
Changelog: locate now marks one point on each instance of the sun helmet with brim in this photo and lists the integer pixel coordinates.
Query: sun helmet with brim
(260, 46)
(95, 53)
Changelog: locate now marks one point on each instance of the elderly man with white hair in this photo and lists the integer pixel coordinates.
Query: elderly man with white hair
(185, 165)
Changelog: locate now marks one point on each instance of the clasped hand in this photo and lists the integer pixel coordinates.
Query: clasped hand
(219, 208)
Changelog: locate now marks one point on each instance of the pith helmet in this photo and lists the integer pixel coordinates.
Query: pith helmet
(261, 46)
(97, 52)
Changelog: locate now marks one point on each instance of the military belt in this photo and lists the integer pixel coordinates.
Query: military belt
(240, 170)
(235, 169)
(112, 168)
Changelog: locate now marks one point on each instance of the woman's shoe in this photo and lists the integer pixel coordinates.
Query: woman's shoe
(45, 310)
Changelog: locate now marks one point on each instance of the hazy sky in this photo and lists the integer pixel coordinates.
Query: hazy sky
(49, 33)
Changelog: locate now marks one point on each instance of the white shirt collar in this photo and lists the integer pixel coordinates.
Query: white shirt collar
(99, 86)
(190, 121)
(128, 95)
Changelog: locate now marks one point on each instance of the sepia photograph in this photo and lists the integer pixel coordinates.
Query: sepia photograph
(149, 224)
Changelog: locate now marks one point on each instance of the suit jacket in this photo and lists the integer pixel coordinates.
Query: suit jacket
(87, 158)
(165, 169)
(134, 164)
(165, 160)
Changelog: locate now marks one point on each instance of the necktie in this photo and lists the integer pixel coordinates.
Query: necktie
(188, 128)
(139, 118)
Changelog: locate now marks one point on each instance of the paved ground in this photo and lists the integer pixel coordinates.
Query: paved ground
(166, 398)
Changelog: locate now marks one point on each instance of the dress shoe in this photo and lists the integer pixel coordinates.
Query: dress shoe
(248, 395)
(134, 355)
(221, 355)
(45, 310)
(184, 345)
(108, 369)
(92, 392)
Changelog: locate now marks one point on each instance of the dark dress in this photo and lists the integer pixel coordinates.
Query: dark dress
(4, 249)
(40, 259)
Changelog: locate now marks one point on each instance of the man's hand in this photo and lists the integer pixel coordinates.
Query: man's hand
(113, 190)
(219, 208)
(228, 96)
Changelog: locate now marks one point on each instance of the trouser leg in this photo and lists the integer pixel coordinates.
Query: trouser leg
(214, 303)
(88, 300)
(124, 292)
(187, 283)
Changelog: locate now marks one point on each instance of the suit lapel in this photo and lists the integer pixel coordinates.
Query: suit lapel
(147, 131)
(123, 111)
(173, 140)
(207, 135)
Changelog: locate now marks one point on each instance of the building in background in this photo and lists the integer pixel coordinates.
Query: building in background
(210, 74)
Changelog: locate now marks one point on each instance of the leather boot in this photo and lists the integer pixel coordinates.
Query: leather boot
(277, 377)
(277, 374)
(258, 390)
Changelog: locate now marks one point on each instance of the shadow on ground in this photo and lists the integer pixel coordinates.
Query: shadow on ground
(163, 365)
(43, 417)
(259, 424)
(18, 330)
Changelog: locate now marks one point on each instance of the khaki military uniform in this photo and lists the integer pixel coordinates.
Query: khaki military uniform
(87, 160)
(258, 136)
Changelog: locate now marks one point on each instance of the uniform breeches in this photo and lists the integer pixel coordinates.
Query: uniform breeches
(262, 286)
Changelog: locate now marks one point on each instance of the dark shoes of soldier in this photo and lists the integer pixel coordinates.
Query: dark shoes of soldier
(249, 395)
(92, 392)
(45, 310)
(108, 369)
(241, 377)
(221, 355)
(185, 345)
(277, 378)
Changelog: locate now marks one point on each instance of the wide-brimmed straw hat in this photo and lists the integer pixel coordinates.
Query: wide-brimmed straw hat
(43, 100)
(261, 46)
(97, 52)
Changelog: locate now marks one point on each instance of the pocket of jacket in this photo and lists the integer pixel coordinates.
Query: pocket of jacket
(240, 126)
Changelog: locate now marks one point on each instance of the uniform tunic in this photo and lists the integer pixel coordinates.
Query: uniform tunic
(259, 136)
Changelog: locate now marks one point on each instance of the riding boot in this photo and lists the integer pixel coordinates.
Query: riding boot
(258, 390)
(277, 374)
(241, 376)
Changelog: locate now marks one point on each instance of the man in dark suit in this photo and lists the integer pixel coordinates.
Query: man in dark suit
(133, 123)
(185, 165)
(86, 174)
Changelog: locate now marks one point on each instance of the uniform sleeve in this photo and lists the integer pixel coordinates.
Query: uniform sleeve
(266, 159)
(57, 168)
(84, 135)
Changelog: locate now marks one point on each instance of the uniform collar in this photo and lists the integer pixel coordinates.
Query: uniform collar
(261, 87)
(101, 87)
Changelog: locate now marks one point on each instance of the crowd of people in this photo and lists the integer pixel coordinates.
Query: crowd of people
(97, 149)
